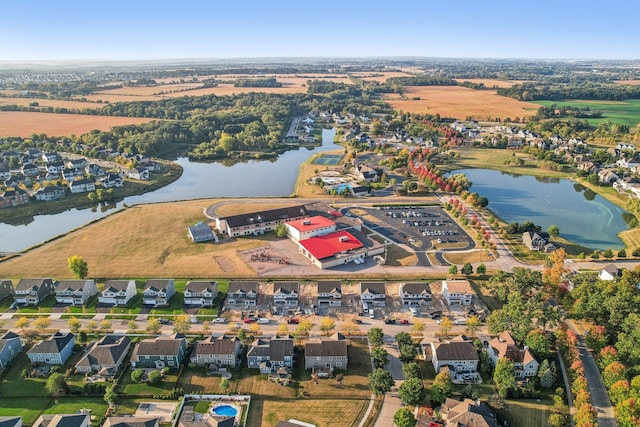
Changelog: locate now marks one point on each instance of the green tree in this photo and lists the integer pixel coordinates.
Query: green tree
(404, 418)
(412, 391)
(403, 338)
(557, 420)
(408, 353)
(622, 253)
(136, 376)
(553, 230)
(380, 357)
(453, 269)
(467, 269)
(78, 267)
(441, 388)
(481, 269)
(55, 383)
(411, 370)
(74, 324)
(505, 377)
(132, 326)
(546, 374)
(154, 377)
(110, 394)
(281, 230)
(380, 381)
(629, 339)
(224, 385)
(376, 337)
(538, 343)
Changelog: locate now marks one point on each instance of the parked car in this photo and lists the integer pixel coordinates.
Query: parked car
(389, 321)
(249, 320)
(164, 321)
(263, 320)
(219, 320)
(403, 322)
(293, 320)
(356, 320)
(193, 320)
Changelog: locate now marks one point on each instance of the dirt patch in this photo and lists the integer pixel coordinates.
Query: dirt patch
(225, 264)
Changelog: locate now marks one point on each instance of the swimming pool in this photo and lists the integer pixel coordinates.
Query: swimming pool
(226, 410)
(342, 187)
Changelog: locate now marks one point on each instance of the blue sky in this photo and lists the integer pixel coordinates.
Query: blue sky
(130, 30)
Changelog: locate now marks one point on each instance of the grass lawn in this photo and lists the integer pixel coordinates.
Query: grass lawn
(71, 405)
(624, 112)
(127, 386)
(202, 406)
(256, 384)
(14, 385)
(128, 406)
(321, 413)
(195, 380)
(470, 257)
(527, 413)
(133, 307)
(46, 306)
(28, 409)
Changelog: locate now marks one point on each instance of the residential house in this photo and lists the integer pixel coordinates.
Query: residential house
(80, 163)
(373, 293)
(10, 346)
(201, 232)
(607, 176)
(221, 351)
(95, 170)
(504, 347)
(269, 355)
(6, 288)
(244, 293)
(588, 166)
(323, 355)
(626, 163)
(15, 197)
(5, 173)
(51, 157)
(537, 241)
(10, 421)
(49, 193)
(200, 293)
(415, 294)
(139, 174)
(53, 351)
(33, 291)
(609, 272)
(83, 185)
(359, 191)
(457, 292)
(368, 174)
(457, 355)
(55, 168)
(467, 413)
(82, 419)
(285, 294)
(257, 223)
(117, 292)
(132, 422)
(29, 169)
(329, 293)
(159, 352)
(71, 174)
(158, 292)
(112, 180)
(75, 292)
(190, 418)
(106, 356)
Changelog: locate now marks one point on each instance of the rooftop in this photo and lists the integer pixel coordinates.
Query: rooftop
(331, 244)
(310, 224)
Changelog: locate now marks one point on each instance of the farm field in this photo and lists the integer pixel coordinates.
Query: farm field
(24, 124)
(460, 102)
(623, 112)
(489, 82)
(54, 103)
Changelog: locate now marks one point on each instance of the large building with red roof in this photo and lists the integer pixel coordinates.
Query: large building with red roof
(330, 250)
(307, 228)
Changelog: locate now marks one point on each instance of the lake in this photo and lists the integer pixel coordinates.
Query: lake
(259, 178)
(581, 215)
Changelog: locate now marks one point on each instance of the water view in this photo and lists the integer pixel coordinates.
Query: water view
(265, 178)
(581, 215)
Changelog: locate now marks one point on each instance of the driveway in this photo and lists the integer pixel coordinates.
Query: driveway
(392, 401)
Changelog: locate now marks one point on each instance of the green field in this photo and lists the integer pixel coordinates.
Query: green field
(623, 112)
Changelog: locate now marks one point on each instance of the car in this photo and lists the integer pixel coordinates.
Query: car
(249, 320)
(219, 320)
(193, 320)
(390, 321)
(293, 320)
(372, 315)
(403, 322)
(358, 321)
(414, 311)
(163, 321)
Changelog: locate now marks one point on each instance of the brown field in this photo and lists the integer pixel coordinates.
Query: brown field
(322, 413)
(369, 76)
(55, 103)
(142, 241)
(150, 90)
(470, 257)
(489, 82)
(460, 102)
(24, 124)
(628, 82)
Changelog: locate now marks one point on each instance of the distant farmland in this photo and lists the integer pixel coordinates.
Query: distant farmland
(623, 112)
(25, 124)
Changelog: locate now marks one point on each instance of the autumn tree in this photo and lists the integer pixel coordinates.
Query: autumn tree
(153, 326)
(442, 387)
(417, 327)
(555, 269)
(105, 324)
(224, 385)
(445, 326)
(23, 322)
(473, 325)
(92, 326)
(41, 323)
(327, 324)
(283, 329)
(78, 267)
(74, 324)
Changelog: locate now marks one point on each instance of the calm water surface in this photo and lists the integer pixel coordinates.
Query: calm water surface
(199, 180)
(581, 215)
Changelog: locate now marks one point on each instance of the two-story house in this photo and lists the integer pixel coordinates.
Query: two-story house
(159, 352)
(139, 174)
(49, 193)
(32, 291)
(243, 293)
(537, 241)
(221, 351)
(64, 420)
(77, 163)
(51, 157)
(268, 355)
(158, 292)
(6, 288)
(29, 169)
(415, 294)
(323, 355)
(71, 174)
(458, 356)
(10, 421)
(112, 180)
(10, 346)
(373, 293)
(75, 292)
(129, 421)
(467, 413)
(15, 197)
(200, 293)
(504, 346)
(55, 168)
(82, 185)
(457, 292)
(106, 356)
(53, 351)
(329, 293)
(285, 294)
(117, 292)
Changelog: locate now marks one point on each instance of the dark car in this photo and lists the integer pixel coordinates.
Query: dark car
(249, 320)
(390, 321)
(293, 320)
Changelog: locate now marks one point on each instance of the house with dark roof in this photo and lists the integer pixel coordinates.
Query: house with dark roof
(117, 292)
(6, 288)
(609, 272)
(256, 223)
(415, 294)
(49, 193)
(456, 355)
(243, 293)
(53, 351)
(158, 292)
(10, 346)
(504, 347)
(29, 169)
(537, 241)
(106, 356)
(5, 173)
(138, 173)
(95, 170)
(51, 157)
(10, 421)
(201, 232)
(15, 197)
(190, 418)
(82, 185)
(112, 180)
(74, 292)
(200, 293)
(71, 174)
(55, 168)
(268, 355)
(159, 352)
(285, 294)
(467, 413)
(221, 351)
(131, 422)
(33, 291)
(82, 419)
(323, 355)
(329, 293)
(373, 293)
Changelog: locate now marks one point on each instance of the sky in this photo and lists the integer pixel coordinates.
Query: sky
(43, 30)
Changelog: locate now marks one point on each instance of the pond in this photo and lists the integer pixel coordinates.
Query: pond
(260, 178)
(581, 215)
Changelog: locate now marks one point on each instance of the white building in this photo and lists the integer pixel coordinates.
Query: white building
(457, 292)
(306, 228)
(117, 292)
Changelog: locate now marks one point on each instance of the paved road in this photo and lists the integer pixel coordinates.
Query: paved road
(392, 401)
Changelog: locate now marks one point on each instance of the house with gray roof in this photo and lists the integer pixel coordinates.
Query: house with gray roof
(11, 421)
(33, 291)
(53, 351)
(285, 294)
(457, 356)
(415, 294)
(323, 355)
(131, 422)
(221, 351)
(82, 185)
(268, 355)
(75, 292)
(329, 293)
(6, 288)
(373, 293)
(467, 413)
(243, 293)
(117, 292)
(10, 346)
(158, 292)
(29, 169)
(159, 352)
(200, 293)
(64, 420)
(15, 197)
(49, 193)
(106, 356)
(201, 232)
